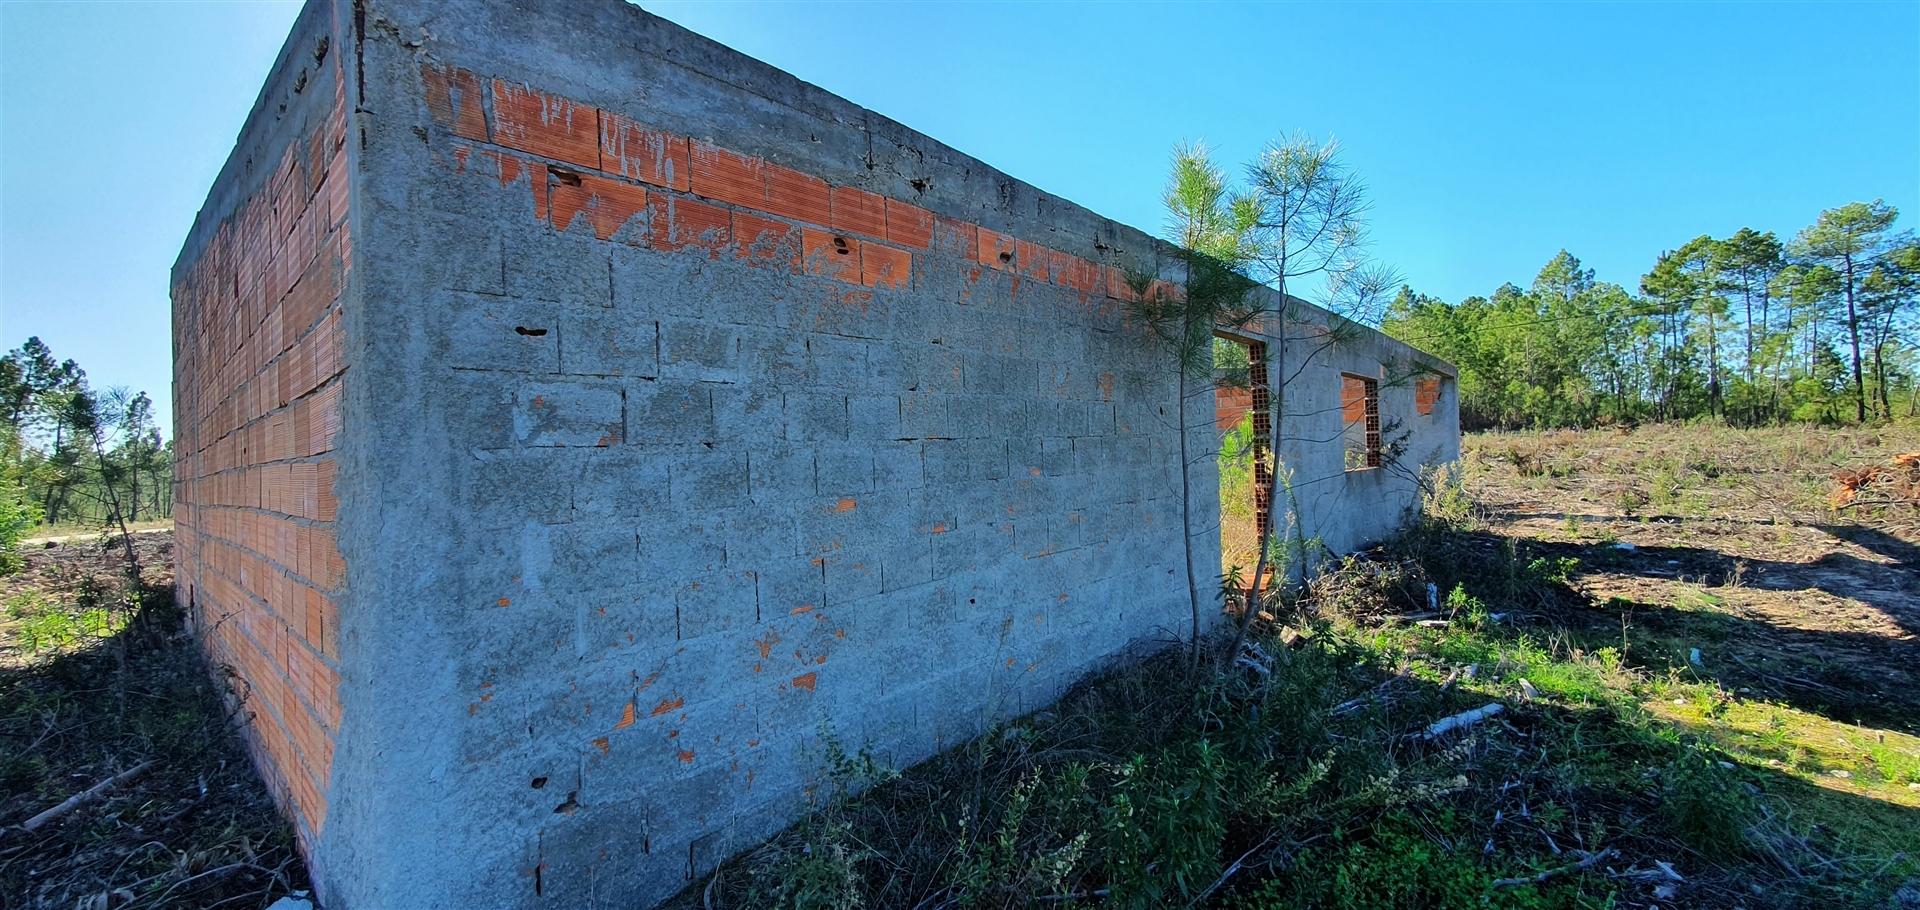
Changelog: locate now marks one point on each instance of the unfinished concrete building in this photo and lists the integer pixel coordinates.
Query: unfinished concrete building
(577, 420)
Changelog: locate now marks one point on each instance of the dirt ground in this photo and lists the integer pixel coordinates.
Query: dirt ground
(1748, 605)
(97, 678)
(1722, 553)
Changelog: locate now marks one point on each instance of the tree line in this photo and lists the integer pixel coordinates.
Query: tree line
(73, 455)
(1746, 328)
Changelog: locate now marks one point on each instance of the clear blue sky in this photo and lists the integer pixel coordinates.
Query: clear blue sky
(1491, 135)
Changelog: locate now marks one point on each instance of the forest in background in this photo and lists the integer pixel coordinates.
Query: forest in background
(74, 456)
(1747, 329)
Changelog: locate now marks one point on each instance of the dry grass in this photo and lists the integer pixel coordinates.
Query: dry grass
(1619, 757)
(1708, 677)
(97, 677)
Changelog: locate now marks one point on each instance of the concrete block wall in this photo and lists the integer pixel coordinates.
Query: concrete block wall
(1336, 508)
(697, 420)
(258, 371)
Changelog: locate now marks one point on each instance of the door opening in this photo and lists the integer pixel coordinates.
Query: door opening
(1244, 418)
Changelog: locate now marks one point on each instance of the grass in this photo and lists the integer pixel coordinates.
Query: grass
(65, 530)
(1625, 769)
(1706, 701)
(97, 677)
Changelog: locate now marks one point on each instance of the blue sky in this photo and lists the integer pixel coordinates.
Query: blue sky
(1491, 135)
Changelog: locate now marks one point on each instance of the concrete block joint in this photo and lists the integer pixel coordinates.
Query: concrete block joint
(571, 431)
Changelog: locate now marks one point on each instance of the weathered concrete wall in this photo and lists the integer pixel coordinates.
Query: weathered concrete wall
(258, 293)
(699, 438)
(697, 417)
(1345, 509)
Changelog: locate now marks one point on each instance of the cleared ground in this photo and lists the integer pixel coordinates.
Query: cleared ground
(1719, 558)
(1701, 646)
(97, 679)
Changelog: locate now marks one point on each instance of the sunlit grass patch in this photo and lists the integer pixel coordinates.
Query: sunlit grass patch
(1875, 763)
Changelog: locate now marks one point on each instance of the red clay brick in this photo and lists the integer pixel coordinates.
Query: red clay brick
(689, 222)
(511, 169)
(997, 250)
(326, 506)
(641, 153)
(830, 255)
(1058, 266)
(801, 197)
(1033, 259)
(546, 125)
(885, 267)
(723, 175)
(909, 225)
(607, 204)
(1426, 393)
(453, 100)
(1081, 275)
(956, 236)
(765, 239)
(859, 212)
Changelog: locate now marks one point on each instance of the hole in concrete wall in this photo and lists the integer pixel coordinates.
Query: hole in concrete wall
(1426, 394)
(840, 246)
(532, 333)
(564, 176)
(539, 782)
(1243, 417)
(1360, 421)
(569, 807)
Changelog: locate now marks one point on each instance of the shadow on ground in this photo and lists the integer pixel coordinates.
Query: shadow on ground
(196, 829)
(1852, 675)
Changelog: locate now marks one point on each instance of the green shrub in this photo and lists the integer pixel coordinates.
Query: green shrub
(17, 515)
(1703, 803)
(1395, 865)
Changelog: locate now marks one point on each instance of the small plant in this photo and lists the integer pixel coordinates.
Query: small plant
(1571, 526)
(1161, 830)
(1466, 609)
(822, 874)
(48, 625)
(1552, 570)
(1704, 805)
(1007, 863)
(1663, 489)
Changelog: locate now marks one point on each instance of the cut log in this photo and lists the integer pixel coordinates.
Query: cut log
(85, 796)
(1447, 725)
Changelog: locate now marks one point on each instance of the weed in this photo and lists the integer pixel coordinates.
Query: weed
(1703, 805)
(1663, 488)
(1396, 863)
(821, 874)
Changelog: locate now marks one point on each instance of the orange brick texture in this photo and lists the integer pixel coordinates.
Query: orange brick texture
(650, 188)
(1230, 406)
(258, 368)
(1426, 394)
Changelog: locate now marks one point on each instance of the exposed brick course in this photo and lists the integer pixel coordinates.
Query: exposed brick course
(259, 361)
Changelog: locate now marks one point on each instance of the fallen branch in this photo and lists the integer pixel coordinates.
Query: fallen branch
(1662, 872)
(1234, 867)
(85, 796)
(1447, 725)
(1592, 860)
